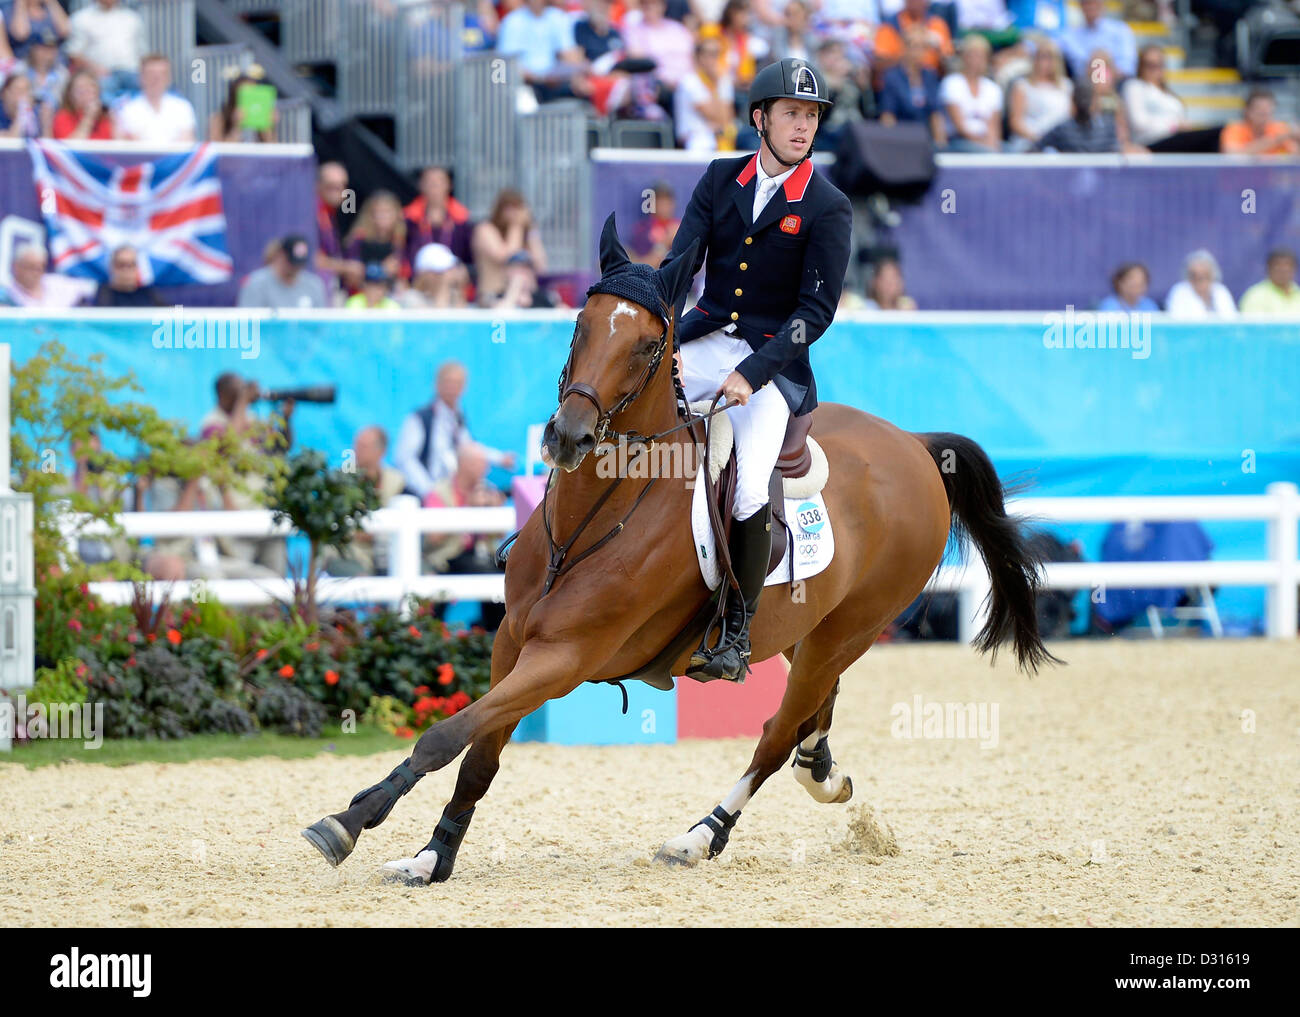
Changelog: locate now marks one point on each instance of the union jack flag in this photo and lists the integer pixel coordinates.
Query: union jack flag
(169, 210)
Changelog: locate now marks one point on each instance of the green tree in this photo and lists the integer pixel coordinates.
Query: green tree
(63, 408)
(326, 506)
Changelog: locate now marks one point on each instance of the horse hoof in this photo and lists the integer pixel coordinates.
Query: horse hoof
(402, 879)
(417, 871)
(846, 792)
(331, 839)
(674, 858)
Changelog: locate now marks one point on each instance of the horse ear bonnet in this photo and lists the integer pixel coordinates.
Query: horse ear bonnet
(622, 277)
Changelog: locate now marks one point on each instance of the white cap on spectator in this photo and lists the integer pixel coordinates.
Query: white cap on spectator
(435, 258)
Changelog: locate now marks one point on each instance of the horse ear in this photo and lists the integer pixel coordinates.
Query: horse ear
(612, 254)
(676, 276)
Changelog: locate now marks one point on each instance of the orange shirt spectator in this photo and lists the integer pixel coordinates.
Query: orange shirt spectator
(1257, 133)
(1237, 137)
(915, 14)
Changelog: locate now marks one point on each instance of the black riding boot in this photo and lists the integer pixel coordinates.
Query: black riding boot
(750, 544)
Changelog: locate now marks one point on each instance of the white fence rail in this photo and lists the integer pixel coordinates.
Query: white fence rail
(405, 523)
(1279, 573)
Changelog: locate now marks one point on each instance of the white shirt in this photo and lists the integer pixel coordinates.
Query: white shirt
(1185, 302)
(982, 14)
(693, 131)
(1046, 105)
(449, 434)
(113, 38)
(851, 10)
(172, 122)
(1153, 113)
(765, 186)
(57, 291)
(976, 110)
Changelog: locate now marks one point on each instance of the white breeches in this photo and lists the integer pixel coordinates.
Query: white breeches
(759, 425)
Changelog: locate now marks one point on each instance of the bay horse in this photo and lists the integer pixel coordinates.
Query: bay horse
(626, 579)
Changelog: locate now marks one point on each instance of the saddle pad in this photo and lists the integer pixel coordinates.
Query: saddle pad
(812, 543)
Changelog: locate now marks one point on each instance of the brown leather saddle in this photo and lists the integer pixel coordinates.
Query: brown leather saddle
(794, 461)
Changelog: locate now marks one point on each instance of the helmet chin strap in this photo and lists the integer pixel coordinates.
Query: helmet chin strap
(764, 135)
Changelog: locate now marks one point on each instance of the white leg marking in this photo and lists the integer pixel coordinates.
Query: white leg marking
(421, 866)
(692, 847)
(738, 797)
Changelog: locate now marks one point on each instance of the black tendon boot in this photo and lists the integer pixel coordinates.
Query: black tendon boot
(750, 544)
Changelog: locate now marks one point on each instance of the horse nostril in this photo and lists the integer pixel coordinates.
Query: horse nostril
(548, 433)
(585, 444)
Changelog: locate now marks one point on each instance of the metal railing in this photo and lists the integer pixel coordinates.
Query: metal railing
(309, 31)
(220, 64)
(171, 29)
(486, 139)
(254, 6)
(556, 178)
(370, 37)
(295, 122)
(427, 63)
(406, 522)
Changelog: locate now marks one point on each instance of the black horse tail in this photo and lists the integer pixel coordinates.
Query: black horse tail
(975, 498)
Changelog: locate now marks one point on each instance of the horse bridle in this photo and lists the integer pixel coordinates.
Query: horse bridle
(605, 417)
(558, 560)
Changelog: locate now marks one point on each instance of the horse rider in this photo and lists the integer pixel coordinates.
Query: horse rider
(777, 240)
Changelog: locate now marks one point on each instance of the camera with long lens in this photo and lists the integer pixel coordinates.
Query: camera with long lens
(305, 394)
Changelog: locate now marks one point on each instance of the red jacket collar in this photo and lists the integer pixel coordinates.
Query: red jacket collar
(795, 184)
(456, 212)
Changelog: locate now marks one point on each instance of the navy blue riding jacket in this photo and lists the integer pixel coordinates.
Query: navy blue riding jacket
(778, 279)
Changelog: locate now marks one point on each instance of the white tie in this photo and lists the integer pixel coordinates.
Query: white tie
(764, 193)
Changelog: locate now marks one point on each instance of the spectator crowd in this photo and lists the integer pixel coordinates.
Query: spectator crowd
(979, 76)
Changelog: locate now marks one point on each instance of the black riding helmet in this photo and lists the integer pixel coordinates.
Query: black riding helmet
(790, 78)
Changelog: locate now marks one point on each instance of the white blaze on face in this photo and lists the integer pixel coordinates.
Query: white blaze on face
(623, 308)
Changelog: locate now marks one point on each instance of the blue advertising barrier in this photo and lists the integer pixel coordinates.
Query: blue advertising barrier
(1199, 409)
(591, 715)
